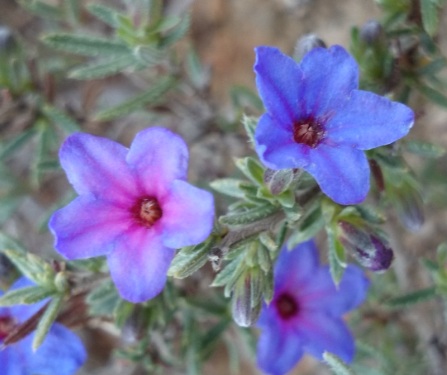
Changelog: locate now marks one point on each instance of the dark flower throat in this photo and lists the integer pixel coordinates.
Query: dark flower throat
(308, 132)
(287, 306)
(147, 211)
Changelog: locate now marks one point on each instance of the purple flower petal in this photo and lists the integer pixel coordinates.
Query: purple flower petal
(11, 361)
(188, 214)
(139, 264)
(61, 353)
(276, 147)
(158, 157)
(278, 79)
(368, 120)
(341, 172)
(320, 293)
(326, 333)
(329, 77)
(279, 349)
(296, 266)
(87, 227)
(98, 166)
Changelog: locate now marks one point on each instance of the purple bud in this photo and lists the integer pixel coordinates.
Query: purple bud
(409, 207)
(246, 302)
(371, 32)
(367, 246)
(278, 181)
(305, 44)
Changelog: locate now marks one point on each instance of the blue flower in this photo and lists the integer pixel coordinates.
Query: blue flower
(61, 353)
(134, 206)
(319, 121)
(305, 314)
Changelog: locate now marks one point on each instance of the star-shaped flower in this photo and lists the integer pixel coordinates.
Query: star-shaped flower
(134, 206)
(319, 121)
(305, 314)
(61, 353)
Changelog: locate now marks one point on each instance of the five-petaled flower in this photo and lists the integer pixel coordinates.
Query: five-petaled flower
(134, 206)
(317, 119)
(61, 353)
(305, 313)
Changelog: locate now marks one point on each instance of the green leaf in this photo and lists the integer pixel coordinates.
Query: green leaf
(60, 118)
(248, 216)
(106, 14)
(28, 295)
(251, 168)
(231, 271)
(242, 96)
(150, 97)
(47, 320)
(41, 9)
(148, 56)
(103, 299)
(86, 45)
(104, 68)
(31, 266)
(412, 298)
(184, 265)
(337, 366)
(250, 124)
(229, 186)
(336, 256)
(196, 73)
(177, 32)
(432, 94)
(309, 226)
(425, 149)
(14, 144)
(429, 11)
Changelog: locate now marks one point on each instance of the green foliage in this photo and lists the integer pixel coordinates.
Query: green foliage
(337, 366)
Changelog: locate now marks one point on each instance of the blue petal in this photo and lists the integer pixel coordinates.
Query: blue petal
(293, 268)
(188, 215)
(368, 120)
(278, 78)
(158, 156)
(97, 165)
(279, 347)
(11, 361)
(320, 293)
(61, 353)
(276, 147)
(341, 172)
(87, 227)
(326, 333)
(139, 264)
(329, 77)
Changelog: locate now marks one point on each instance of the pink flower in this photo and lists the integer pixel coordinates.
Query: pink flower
(134, 206)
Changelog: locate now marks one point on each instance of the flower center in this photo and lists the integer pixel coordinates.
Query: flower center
(147, 211)
(7, 324)
(287, 306)
(308, 132)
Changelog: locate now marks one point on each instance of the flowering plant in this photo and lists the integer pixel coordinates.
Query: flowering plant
(192, 242)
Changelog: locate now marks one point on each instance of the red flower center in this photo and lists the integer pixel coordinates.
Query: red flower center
(287, 306)
(308, 132)
(7, 324)
(147, 211)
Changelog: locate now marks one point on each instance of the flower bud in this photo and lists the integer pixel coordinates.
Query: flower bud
(278, 181)
(305, 44)
(135, 326)
(371, 32)
(368, 247)
(408, 204)
(246, 299)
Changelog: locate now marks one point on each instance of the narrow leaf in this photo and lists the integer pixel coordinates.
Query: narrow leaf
(432, 94)
(28, 295)
(47, 320)
(248, 216)
(337, 366)
(106, 14)
(86, 45)
(229, 186)
(16, 143)
(60, 118)
(184, 265)
(150, 97)
(425, 149)
(429, 13)
(412, 298)
(104, 68)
